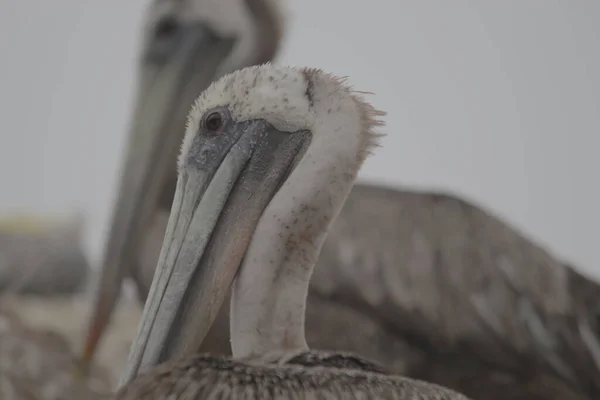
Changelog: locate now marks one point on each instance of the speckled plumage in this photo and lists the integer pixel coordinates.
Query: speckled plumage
(306, 376)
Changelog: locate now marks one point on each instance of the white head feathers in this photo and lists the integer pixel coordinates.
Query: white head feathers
(293, 99)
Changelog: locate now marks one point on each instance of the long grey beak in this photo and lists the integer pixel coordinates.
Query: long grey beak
(174, 71)
(218, 202)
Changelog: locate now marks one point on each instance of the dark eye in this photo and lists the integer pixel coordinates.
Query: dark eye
(166, 28)
(213, 122)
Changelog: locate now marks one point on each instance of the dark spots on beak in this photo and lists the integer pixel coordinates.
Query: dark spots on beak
(166, 28)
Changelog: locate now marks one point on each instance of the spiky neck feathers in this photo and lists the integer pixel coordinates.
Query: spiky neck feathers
(269, 294)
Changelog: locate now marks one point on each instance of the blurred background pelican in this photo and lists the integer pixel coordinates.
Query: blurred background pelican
(495, 102)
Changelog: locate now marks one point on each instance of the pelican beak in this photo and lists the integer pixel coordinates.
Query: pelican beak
(220, 197)
(173, 73)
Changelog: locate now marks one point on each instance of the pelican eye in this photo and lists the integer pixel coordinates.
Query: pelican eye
(166, 28)
(214, 122)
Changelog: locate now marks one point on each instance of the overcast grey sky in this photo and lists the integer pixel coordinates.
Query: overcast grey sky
(498, 101)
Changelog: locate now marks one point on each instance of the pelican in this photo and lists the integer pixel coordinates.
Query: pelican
(268, 159)
(427, 284)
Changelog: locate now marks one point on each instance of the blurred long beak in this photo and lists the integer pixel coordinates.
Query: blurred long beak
(215, 211)
(173, 74)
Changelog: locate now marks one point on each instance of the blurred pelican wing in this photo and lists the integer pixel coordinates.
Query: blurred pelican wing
(450, 278)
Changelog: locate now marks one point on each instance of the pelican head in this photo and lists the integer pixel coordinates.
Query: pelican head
(269, 156)
(186, 45)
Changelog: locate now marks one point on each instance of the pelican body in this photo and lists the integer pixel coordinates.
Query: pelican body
(427, 284)
(268, 159)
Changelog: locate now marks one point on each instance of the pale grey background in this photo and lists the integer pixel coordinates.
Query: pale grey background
(495, 100)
